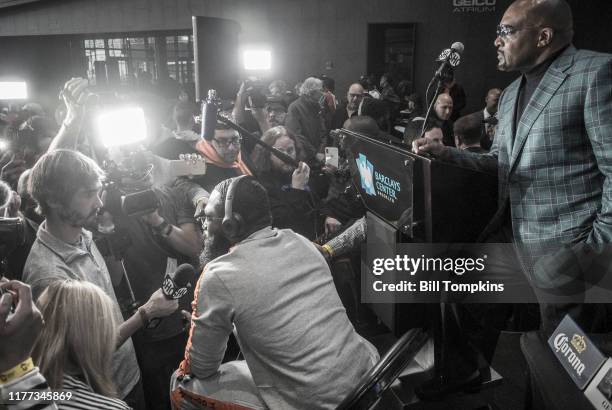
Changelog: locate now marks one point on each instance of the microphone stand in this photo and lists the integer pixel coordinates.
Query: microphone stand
(437, 76)
(438, 312)
(445, 65)
(277, 153)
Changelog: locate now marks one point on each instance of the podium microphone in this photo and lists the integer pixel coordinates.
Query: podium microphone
(175, 286)
(451, 57)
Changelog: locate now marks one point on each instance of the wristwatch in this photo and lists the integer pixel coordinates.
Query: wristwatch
(163, 229)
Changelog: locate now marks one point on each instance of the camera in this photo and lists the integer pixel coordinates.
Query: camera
(255, 91)
(12, 235)
(127, 186)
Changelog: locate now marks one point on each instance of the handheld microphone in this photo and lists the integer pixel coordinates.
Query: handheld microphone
(210, 107)
(175, 286)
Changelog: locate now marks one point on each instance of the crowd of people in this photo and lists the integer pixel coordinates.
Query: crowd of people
(64, 200)
(85, 306)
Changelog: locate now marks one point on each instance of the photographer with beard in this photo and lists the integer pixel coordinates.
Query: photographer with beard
(275, 289)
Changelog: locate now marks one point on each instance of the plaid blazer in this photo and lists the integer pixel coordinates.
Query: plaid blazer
(555, 171)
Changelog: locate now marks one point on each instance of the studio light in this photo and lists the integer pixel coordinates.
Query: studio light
(257, 59)
(13, 90)
(122, 126)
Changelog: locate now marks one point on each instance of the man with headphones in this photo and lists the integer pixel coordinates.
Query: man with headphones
(275, 291)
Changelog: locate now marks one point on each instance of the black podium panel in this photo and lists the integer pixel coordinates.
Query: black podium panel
(451, 203)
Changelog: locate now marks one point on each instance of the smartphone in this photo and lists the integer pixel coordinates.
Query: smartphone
(331, 156)
(13, 304)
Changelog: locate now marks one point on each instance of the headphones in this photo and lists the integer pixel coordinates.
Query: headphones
(233, 223)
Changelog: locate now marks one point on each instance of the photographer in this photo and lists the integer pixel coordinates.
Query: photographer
(254, 118)
(17, 231)
(75, 95)
(158, 242)
(66, 185)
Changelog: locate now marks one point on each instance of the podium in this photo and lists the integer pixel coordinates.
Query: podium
(413, 199)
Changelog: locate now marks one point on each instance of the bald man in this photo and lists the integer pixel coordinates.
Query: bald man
(552, 150)
(443, 109)
(354, 96)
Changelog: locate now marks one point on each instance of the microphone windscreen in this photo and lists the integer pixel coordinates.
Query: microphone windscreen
(458, 47)
(5, 194)
(209, 120)
(183, 275)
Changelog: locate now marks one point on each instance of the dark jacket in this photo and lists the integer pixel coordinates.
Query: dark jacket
(291, 208)
(303, 120)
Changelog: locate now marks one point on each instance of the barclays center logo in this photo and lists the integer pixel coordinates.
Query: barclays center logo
(366, 174)
(376, 183)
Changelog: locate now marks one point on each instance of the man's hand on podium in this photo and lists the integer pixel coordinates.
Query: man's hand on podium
(428, 146)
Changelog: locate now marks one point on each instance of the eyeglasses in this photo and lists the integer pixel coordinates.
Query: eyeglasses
(506, 30)
(228, 142)
(205, 220)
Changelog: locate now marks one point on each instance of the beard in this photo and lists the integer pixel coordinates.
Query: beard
(214, 246)
(77, 220)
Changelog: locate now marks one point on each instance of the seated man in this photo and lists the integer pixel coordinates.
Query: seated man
(443, 109)
(275, 289)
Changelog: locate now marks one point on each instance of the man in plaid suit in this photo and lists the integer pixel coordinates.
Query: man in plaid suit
(553, 147)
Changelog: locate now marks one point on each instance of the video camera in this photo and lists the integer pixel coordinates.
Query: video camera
(12, 234)
(127, 186)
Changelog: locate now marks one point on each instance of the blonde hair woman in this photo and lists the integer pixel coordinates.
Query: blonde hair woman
(75, 349)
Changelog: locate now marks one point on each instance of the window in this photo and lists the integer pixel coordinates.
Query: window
(179, 52)
(120, 60)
